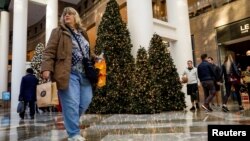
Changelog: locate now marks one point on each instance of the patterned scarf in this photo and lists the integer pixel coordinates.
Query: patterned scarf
(77, 54)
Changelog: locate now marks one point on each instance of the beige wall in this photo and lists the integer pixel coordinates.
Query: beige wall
(203, 26)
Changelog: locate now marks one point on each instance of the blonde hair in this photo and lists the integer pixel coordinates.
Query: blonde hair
(228, 62)
(76, 16)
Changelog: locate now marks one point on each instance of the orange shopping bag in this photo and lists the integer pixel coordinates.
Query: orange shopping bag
(101, 65)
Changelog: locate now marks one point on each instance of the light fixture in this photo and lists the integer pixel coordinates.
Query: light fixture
(248, 53)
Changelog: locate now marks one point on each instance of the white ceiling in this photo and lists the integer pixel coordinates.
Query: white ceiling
(36, 11)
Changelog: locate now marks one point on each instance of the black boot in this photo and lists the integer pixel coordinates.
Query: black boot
(192, 108)
(197, 106)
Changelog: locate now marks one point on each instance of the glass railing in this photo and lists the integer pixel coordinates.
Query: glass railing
(202, 6)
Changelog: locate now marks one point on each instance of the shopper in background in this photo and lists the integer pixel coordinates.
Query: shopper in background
(217, 82)
(28, 92)
(247, 80)
(232, 79)
(206, 75)
(192, 84)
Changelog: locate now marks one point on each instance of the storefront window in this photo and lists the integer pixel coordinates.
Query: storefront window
(159, 9)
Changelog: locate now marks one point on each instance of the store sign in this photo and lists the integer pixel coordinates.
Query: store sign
(244, 28)
(233, 31)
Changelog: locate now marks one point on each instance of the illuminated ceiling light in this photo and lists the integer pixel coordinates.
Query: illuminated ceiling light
(248, 53)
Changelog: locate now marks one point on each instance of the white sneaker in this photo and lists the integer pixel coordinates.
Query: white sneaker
(76, 138)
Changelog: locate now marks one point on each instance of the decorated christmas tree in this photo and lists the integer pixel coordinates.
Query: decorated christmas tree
(36, 60)
(164, 77)
(141, 100)
(113, 38)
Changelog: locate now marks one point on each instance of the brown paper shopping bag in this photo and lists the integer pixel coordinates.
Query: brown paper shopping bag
(46, 94)
(43, 94)
(54, 94)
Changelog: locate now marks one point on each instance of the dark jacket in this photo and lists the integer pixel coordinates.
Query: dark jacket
(218, 73)
(28, 88)
(233, 71)
(206, 71)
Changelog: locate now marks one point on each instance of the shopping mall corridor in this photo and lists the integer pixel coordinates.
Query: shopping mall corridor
(167, 126)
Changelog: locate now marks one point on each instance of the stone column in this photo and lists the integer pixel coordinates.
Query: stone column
(4, 50)
(140, 23)
(181, 50)
(19, 49)
(51, 17)
(178, 16)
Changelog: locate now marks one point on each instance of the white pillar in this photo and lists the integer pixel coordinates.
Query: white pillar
(4, 50)
(19, 49)
(181, 50)
(178, 16)
(51, 17)
(0, 30)
(140, 23)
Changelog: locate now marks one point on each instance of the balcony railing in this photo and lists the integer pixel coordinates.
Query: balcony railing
(202, 6)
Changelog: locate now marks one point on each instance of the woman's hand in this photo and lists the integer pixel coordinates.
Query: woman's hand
(219, 83)
(46, 75)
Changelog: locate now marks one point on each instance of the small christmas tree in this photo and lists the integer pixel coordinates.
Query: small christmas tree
(113, 38)
(165, 77)
(140, 99)
(36, 61)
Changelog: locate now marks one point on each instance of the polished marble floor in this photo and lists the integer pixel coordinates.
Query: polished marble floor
(167, 126)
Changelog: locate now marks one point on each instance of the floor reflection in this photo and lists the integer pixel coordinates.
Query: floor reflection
(167, 126)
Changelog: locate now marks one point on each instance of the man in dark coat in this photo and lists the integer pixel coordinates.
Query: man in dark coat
(207, 77)
(28, 92)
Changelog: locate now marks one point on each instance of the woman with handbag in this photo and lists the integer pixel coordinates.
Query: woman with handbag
(62, 62)
(232, 79)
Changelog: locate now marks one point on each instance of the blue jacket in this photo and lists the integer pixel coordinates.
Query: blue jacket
(28, 88)
(206, 71)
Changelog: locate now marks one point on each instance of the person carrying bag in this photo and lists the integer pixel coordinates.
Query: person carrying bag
(27, 95)
(62, 62)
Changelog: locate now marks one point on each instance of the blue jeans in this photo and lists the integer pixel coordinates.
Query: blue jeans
(75, 101)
